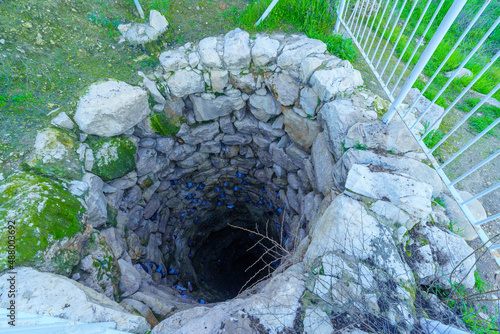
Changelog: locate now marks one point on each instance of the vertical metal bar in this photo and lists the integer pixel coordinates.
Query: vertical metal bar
(418, 46)
(390, 35)
(139, 8)
(399, 37)
(462, 65)
(363, 16)
(476, 17)
(360, 15)
(450, 17)
(462, 121)
(376, 30)
(470, 143)
(476, 167)
(385, 29)
(339, 15)
(354, 11)
(459, 97)
(410, 39)
(371, 27)
(266, 13)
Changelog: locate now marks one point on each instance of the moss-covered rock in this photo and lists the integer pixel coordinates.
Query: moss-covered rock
(114, 157)
(163, 125)
(43, 213)
(55, 154)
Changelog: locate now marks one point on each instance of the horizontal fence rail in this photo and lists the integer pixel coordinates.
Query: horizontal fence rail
(391, 36)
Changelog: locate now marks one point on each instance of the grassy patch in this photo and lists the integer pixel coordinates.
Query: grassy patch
(483, 117)
(315, 18)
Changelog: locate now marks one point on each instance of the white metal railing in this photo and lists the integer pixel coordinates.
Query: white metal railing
(372, 24)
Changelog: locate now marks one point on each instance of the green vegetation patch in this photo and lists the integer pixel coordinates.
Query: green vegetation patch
(114, 157)
(162, 125)
(315, 18)
(43, 213)
(55, 155)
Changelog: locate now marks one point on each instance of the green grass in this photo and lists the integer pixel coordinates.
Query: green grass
(315, 18)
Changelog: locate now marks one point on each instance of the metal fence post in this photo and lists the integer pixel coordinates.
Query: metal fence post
(448, 20)
(266, 13)
(339, 15)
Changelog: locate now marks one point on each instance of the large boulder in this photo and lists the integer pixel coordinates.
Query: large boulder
(285, 88)
(346, 227)
(337, 117)
(50, 294)
(208, 107)
(111, 108)
(114, 157)
(323, 165)
(263, 107)
(42, 213)
(55, 154)
(294, 53)
(208, 52)
(237, 49)
(302, 131)
(328, 83)
(264, 50)
(441, 258)
(274, 308)
(407, 167)
(186, 82)
(373, 181)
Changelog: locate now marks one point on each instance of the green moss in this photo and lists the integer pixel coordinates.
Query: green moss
(43, 213)
(55, 155)
(114, 157)
(162, 125)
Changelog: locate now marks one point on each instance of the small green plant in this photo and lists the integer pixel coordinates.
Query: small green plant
(359, 146)
(433, 137)
(452, 226)
(391, 151)
(480, 285)
(439, 201)
(344, 149)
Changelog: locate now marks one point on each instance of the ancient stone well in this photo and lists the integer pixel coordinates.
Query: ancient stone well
(233, 139)
(250, 154)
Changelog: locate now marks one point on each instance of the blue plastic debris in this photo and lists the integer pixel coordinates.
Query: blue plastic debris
(236, 188)
(190, 184)
(219, 203)
(194, 200)
(172, 271)
(278, 194)
(231, 206)
(270, 204)
(193, 210)
(217, 189)
(196, 220)
(226, 184)
(240, 175)
(264, 190)
(204, 203)
(222, 195)
(180, 288)
(201, 301)
(160, 270)
(280, 210)
(248, 199)
(183, 295)
(245, 183)
(260, 202)
(190, 196)
(200, 186)
(174, 182)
